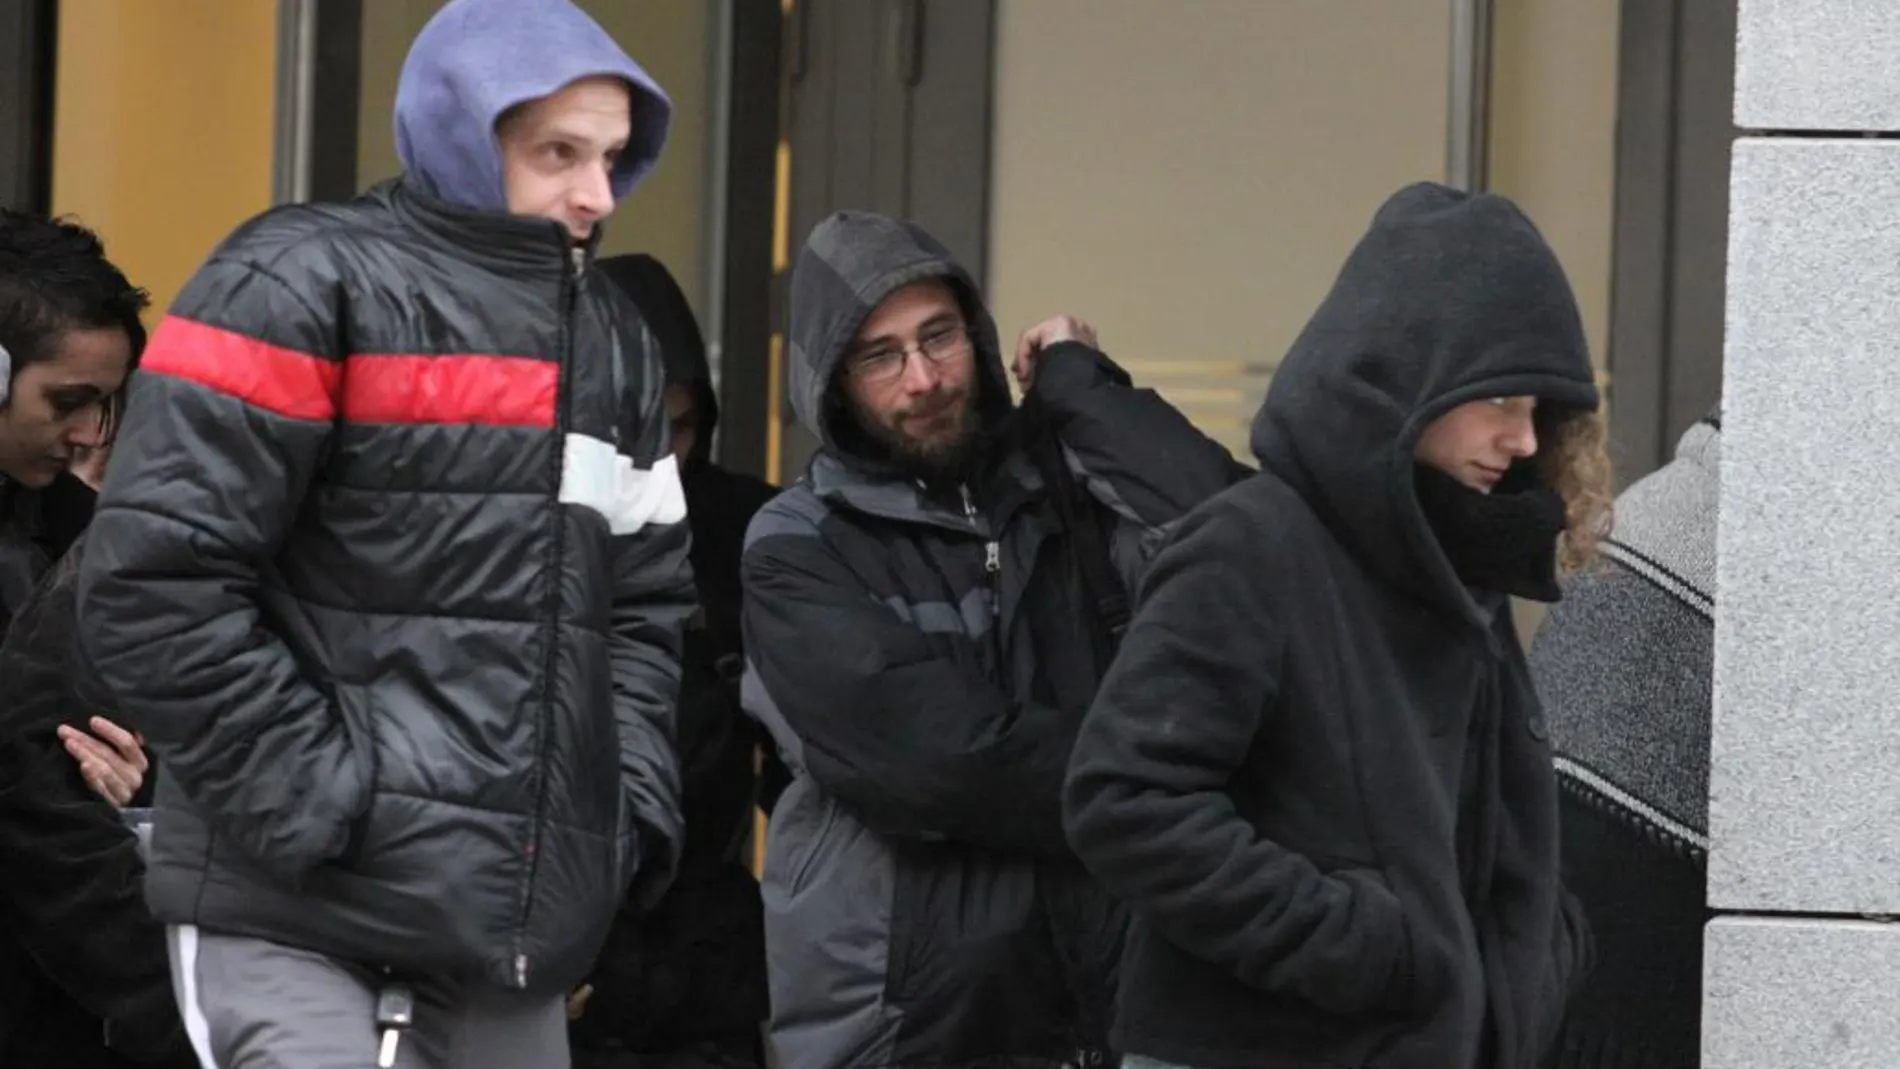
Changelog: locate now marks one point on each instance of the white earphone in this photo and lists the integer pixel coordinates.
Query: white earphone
(6, 373)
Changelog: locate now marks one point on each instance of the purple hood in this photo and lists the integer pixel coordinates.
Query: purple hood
(478, 58)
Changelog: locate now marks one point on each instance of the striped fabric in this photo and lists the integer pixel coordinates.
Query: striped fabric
(1623, 666)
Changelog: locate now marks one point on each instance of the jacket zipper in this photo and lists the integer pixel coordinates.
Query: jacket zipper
(992, 553)
(570, 291)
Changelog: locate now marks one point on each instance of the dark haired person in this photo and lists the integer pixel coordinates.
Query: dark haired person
(84, 982)
(69, 336)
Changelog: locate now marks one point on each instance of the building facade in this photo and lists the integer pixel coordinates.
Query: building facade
(1187, 176)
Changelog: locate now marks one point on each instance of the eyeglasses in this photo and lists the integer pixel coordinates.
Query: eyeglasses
(886, 365)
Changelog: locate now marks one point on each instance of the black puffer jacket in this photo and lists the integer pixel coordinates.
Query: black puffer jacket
(390, 568)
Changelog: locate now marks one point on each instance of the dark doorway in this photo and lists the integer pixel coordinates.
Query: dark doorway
(754, 119)
(887, 110)
(27, 49)
(1674, 134)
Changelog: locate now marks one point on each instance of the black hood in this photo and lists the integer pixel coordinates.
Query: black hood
(651, 287)
(1450, 297)
(851, 262)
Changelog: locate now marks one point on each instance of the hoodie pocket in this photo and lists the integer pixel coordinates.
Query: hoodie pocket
(1178, 1007)
(1422, 965)
(1419, 967)
(1426, 972)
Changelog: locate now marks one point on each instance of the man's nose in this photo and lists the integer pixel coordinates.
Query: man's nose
(921, 374)
(594, 195)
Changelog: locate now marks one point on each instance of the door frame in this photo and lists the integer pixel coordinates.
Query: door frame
(29, 42)
(1675, 79)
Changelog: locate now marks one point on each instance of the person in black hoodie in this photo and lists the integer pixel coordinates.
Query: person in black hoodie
(1317, 773)
(684, 984)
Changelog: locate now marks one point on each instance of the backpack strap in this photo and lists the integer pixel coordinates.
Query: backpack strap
(1081, 517)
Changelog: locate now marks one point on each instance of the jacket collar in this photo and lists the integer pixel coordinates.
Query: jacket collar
(900, 500)
(509, 244)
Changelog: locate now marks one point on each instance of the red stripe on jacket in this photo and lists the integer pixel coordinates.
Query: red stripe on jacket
(492, 391)
(270, 377)
(455, 389)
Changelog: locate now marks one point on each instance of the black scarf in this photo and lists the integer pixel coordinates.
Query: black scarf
(1504, 541)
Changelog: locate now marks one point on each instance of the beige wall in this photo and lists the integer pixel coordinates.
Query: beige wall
(1553, 135)
(667, 215)
(1189, 175)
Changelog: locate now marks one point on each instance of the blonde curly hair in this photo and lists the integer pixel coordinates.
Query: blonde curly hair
(1573, 459)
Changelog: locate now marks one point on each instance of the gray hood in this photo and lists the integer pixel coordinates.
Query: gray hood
(851, 262)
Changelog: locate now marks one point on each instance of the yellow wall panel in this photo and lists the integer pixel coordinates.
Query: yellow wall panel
(162, 127)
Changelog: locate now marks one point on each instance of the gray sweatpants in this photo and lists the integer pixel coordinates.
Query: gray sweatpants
(252, 1004)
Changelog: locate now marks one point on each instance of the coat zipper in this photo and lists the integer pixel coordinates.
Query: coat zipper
(570, 291)
(992, 552)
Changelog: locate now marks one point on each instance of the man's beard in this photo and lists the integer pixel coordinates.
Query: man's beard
(944, 459)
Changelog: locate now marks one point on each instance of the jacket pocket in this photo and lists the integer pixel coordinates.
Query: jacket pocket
(803, 831)
(971, 961)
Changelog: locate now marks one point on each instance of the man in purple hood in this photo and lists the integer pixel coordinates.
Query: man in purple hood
(390, 569)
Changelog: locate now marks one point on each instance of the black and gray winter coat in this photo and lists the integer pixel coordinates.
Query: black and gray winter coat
(922, 661)
(1318, 774)
(1626, 665)
(390, 569)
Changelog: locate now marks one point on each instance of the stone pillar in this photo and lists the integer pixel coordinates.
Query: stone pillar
(1803, 965)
